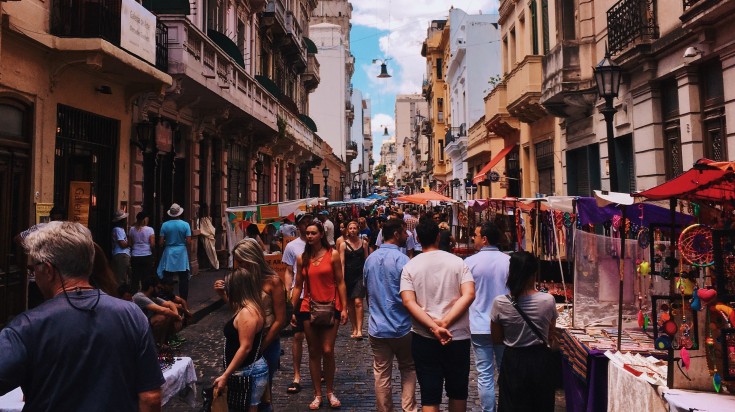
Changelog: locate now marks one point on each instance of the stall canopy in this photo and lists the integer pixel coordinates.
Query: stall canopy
(423, 198)
(376, 196)
(494, 161)
(707, 180)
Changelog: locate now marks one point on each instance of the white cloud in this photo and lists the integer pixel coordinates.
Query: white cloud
(406, 23)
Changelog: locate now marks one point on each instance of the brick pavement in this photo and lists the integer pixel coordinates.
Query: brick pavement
(353, 381)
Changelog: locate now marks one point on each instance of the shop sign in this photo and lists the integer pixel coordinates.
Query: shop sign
(138, 30)
(80, 199)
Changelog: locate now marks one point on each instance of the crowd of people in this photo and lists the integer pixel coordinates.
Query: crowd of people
(428, 309)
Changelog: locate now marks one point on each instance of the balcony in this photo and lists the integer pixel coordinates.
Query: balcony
(295, 46)
(524, 90)
(196, 58)
(311, 75)
(274, 17)
(497, 118)
(455, 140)
(631, 24)
(564, 93)
(703, 13)
(97, 20)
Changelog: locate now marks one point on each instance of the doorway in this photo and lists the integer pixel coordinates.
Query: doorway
(15, 147)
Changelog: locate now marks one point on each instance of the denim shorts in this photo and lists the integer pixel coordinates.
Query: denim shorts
(258, 372)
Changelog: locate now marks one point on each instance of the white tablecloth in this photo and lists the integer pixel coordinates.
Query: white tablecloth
(685, 401)
(180, 378)
(626, 393)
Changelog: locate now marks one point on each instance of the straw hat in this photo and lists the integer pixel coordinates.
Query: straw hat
(175, 210)
(118, 216)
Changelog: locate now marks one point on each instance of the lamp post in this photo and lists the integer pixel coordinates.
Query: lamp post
(607, 76)
(342, 186)
(325, 173)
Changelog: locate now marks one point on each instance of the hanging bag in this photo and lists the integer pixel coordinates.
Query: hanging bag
(320, 313)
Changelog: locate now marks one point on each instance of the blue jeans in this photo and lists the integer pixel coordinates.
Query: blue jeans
(487, 356)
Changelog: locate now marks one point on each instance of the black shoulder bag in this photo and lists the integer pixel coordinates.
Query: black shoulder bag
(554, 353)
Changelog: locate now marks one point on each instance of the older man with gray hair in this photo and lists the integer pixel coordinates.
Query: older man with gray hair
(82, 349)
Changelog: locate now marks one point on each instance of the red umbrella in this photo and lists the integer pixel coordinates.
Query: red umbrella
(707, 180)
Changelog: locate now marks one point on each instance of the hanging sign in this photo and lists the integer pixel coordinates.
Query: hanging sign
(80, 199)
(43, 212)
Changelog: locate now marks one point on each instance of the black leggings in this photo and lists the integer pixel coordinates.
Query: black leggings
(525, 380)
(183, 282)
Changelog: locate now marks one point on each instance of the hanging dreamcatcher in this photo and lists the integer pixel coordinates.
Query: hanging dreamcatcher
(695, 245)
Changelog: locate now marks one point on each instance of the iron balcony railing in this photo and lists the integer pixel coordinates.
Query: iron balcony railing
(100, 19)
(87, 19)
(691, 3)
(630, 21)
(161, 46)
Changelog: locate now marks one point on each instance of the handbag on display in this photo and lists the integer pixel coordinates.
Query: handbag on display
(321, 313)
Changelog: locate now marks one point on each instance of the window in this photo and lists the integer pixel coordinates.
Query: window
(13, 122)
(583, 170)
(237, 175)
(534, 26)
(264, 180)
(439, 68)
(513, 172)
(440, 110)
(545, 23)
(545, 167)
(441, 150)
(626, 163)
(713, 116)
(216, 11)
(672, 133)
(512, 50)
(568, 21)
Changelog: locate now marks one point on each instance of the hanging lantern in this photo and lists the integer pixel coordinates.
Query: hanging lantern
(384, 71)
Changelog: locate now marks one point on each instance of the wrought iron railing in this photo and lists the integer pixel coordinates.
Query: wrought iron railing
(87, 18)
(161, 46)
(630, 21)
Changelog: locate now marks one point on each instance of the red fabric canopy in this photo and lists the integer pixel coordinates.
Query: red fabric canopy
(495, 160)
(422, 198)
(707, 180)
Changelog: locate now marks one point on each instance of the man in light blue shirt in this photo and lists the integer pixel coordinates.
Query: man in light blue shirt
(389, 325)
(489, 268)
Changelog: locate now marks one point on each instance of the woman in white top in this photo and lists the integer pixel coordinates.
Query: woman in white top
(142, 242)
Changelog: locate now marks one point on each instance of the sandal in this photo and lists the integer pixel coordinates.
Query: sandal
(316, 403)
(334, 403)
(294, 387)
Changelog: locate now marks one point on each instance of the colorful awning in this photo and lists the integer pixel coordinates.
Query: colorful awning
(495, 160)
(707, 180)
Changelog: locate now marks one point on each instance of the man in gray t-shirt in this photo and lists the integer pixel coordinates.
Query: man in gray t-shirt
(162, 314)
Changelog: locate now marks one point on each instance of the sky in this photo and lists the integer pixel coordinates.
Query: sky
(395, 30)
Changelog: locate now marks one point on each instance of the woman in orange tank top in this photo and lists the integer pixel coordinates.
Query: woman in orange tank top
(319, 269)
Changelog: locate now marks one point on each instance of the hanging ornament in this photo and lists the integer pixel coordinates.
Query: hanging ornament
(696, 303)
(644, 268)
(685, 360)
(641, 319)
(717, 381)
(663, 342)
(706, 296)
(646, 321)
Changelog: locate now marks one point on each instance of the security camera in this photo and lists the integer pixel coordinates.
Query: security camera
(692, 51)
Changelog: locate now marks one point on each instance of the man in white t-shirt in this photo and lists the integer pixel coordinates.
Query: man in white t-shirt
(437, 288)
(328, 226)
(292, 251)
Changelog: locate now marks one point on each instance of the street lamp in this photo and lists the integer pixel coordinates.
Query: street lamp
(383, 68)
(325, 173)
(607, 76)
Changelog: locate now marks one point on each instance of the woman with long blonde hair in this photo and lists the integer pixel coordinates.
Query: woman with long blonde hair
(249, 255)
(246, 371)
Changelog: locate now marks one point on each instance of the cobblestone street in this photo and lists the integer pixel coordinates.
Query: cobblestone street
(353, 380)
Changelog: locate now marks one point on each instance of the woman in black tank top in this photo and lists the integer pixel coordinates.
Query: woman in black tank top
(354, 251)
(243, 355)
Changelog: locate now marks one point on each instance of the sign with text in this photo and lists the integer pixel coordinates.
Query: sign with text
(80, 199)
(274, 261)
(138, 30)
(43, 212)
